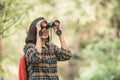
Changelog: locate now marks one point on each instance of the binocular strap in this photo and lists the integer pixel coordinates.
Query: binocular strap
(50, 34)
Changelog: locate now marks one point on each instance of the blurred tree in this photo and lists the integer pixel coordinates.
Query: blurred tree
(11, 14)
(99, 43)
(1, 24)
(115, 19)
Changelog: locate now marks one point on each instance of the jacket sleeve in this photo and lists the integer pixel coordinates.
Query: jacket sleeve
(62, 54)
(31, 53)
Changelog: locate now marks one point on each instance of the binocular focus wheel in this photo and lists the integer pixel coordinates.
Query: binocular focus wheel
(40, 33)
(58, 32)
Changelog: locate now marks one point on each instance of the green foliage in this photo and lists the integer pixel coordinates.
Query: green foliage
(102, 50)
(90, 26)
(12, 13)
(104, 61)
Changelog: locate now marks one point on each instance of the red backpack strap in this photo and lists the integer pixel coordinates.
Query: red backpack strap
(22, 68)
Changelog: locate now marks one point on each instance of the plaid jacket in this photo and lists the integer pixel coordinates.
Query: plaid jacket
(43, 66)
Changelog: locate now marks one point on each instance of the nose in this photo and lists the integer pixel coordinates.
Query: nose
(45, 30)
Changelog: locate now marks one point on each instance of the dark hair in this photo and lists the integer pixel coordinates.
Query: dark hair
(31, 35)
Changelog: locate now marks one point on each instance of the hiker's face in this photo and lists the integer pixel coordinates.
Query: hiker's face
(45, 33)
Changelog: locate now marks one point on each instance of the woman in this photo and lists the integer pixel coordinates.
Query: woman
(41, 55)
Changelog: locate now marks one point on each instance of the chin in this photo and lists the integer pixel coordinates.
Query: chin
(44, 37)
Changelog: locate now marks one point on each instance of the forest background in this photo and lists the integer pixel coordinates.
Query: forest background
(91, 29)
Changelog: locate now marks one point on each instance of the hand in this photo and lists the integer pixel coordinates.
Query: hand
(55, 28)
(38, 27)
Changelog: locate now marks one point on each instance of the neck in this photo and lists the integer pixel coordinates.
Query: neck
(43, 42)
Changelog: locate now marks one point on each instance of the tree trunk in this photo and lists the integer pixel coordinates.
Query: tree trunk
(0, 52)
(0, 56)
(1, 25)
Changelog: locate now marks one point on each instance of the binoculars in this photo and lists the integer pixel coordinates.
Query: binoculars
(46, 25)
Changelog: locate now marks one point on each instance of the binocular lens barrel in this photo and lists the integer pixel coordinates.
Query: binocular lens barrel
(56, 23)
(44, 24)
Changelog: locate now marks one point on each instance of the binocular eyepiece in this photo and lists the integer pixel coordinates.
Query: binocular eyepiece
(44, 24)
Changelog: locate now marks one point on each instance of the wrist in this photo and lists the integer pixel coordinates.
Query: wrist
(60, 36)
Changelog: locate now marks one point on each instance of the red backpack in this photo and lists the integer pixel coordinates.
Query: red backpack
(22, 68)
